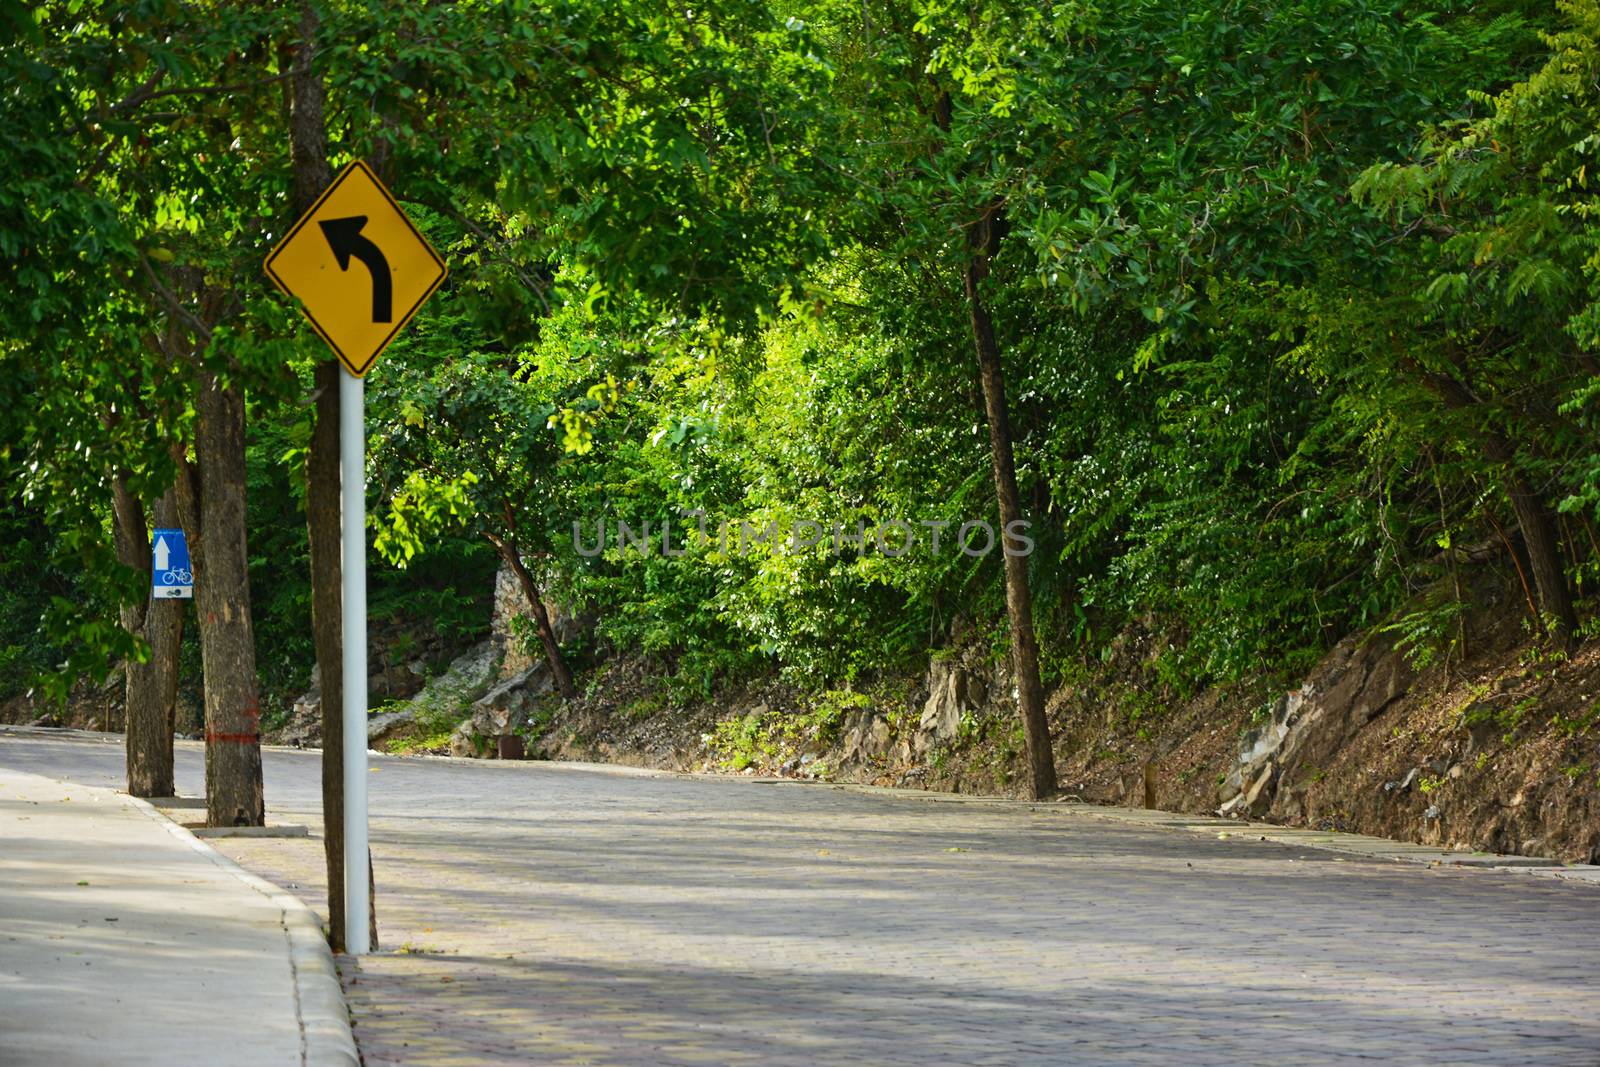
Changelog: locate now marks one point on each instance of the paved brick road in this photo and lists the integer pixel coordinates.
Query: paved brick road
(535, 914)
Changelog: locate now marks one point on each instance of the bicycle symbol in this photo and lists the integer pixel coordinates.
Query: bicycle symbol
(177, 576)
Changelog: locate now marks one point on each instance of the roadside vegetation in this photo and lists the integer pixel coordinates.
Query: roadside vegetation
(1275, 321)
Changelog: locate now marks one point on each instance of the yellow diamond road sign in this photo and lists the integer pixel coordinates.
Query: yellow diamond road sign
(358, 267)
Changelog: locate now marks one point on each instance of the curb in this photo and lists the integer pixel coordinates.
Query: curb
(1362, 846)
(324, 1018)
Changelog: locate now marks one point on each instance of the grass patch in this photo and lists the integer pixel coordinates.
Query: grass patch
(646, 706)
(765, 737)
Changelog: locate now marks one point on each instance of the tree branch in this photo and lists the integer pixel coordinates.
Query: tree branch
(174, 305)
(144, 96)
(500, 250)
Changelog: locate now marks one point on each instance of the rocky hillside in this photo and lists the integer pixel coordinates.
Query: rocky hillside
(1493, 747)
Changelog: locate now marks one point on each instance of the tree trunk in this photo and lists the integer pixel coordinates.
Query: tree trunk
(152, 686)
(1543, 543)
(984, 239)
(1538, 525)
(541, 619)
(323, 528)
(222, 601)
(309, 147)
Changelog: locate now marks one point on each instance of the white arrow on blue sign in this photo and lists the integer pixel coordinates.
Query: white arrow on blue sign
(171, 576)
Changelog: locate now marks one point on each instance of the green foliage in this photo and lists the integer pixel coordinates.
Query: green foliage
(1507, 718)
(767, 737)
(645, 706)
(1290, 295)
(830, 709)
(745, 741)
(28, 581)
(1429, 628)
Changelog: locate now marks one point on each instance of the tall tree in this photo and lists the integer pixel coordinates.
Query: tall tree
(983, 239)
(937, 164)
(211, 501)
(1492, 306)
(472, 444)
(170, 123)
(659, 155)
(90, 411)
(152, 681)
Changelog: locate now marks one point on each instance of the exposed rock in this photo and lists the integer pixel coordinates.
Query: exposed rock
(463, 682)
(304, 727)
(89, 706)
(948, 700)
(1255, 800)
(19, 708)
(867, 737)
(503, 710)
(1347, 750)
(1352, 685)
(509, 603)
(398, 658)
(382, 727)
(396, 681)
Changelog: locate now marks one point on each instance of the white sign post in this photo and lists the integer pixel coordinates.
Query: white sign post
(352, 485)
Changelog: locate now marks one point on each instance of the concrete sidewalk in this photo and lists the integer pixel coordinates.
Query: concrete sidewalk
(124, 940)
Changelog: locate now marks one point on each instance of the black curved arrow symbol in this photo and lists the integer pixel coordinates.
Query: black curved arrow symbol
(344, 237)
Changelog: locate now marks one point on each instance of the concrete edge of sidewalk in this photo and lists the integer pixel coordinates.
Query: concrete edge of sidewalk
(323, 1014)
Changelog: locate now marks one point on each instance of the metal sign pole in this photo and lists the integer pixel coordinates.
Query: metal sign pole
(352, 482)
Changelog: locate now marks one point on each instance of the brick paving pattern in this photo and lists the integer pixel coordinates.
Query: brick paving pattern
(592, 919)
(533, 914)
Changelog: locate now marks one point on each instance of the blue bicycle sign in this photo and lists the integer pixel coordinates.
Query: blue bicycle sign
(170, 577)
